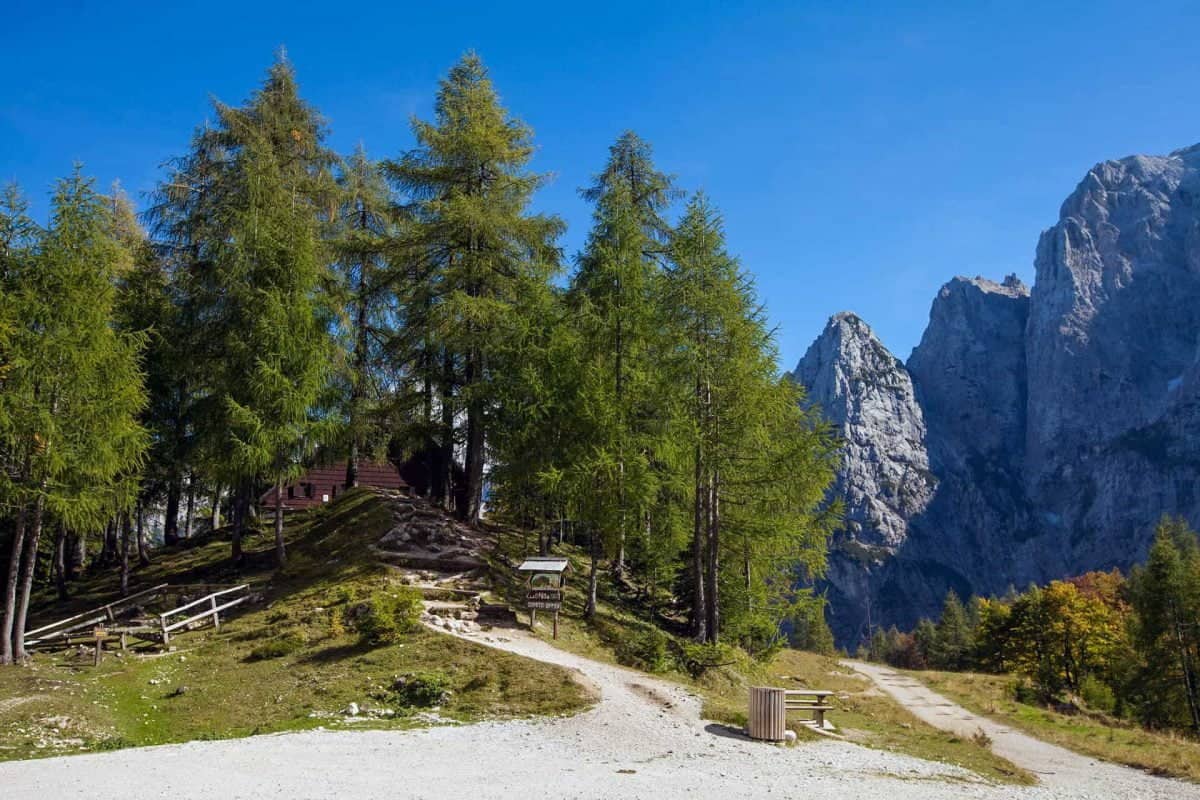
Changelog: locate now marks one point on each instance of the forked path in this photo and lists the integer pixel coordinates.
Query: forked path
(644, 738)
(1053, 765)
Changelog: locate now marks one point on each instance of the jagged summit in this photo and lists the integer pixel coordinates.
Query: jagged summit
(1033, 433)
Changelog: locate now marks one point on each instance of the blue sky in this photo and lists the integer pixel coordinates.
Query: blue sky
(863, 153)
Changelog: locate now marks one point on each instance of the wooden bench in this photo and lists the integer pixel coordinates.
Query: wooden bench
(814, 701)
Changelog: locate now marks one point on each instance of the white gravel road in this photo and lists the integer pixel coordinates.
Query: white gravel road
(644, 739)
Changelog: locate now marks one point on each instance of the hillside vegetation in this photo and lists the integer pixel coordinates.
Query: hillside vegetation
(1088, 732)
(293, 661)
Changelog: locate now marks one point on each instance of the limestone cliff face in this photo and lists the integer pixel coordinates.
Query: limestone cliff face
(1031, 435)
(867, 394)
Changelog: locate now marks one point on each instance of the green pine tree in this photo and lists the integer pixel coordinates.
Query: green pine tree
(253, 278)
(72, 391)
(1165, 594)
(481, 253)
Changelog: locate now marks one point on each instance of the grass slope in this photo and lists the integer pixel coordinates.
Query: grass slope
(862, 713)
(1095, 735)
(212, 687)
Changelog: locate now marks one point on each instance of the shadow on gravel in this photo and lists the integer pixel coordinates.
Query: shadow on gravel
(727, 732)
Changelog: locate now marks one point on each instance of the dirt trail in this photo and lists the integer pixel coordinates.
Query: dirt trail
(1055, 766)
(644, 738)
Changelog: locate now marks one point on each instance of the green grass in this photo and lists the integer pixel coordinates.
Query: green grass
(861, 713)
(287, 663)
(1092, 734)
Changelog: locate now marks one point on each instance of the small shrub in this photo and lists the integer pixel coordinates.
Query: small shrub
(697, 659)
(981, 739)
(645, 650)
(1097, 694)
(337, 623)
(113, 743)
(388, 615)
(421, 690)
(1024, 692)
(283, 645)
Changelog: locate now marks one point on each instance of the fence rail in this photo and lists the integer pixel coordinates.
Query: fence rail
(96, 616)
(214, 611)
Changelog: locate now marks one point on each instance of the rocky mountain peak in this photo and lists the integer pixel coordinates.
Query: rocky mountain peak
(1032, 434)
(868, 395)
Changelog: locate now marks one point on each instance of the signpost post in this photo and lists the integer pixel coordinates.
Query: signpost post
(101, 634)
(545, 591)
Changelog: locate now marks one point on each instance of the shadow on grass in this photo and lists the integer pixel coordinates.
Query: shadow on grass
(337, 652)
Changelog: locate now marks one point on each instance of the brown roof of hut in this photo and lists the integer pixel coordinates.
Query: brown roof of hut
(323, 484)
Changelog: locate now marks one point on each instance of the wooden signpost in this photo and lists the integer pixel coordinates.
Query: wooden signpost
(546, 579)
(100, 635)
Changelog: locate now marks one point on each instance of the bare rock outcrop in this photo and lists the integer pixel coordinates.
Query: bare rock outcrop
(1032, 434)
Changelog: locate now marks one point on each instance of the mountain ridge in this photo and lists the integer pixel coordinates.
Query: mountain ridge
(1034, 432)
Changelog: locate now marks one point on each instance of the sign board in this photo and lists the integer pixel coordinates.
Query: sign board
(545, 580)
(100, 633)
(544, 599)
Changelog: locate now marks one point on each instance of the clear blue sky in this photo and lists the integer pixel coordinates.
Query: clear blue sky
(862, 157)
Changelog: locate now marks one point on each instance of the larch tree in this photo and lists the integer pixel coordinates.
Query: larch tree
(482, 251)
(613, 304)
(253, 289)
(73, 390)
(364, 231)
(1165, 595)
(760, 462)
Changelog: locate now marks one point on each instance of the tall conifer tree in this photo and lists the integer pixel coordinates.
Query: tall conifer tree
(255, 270)
(73, 390)
(482, 250)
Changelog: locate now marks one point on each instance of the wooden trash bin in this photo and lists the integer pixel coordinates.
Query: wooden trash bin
(768, 714)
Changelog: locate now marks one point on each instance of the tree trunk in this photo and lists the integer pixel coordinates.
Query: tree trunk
(475, 445)
(171, 518)
(190, 512)
(239, 520)
(430, 490)
(714, 559)
(126, 545)
(216, 508)
(110, 551)
(447, 444)
(29, 564)
(593, 575)
(8, 620)
(699, 605)
(143, 557)
(359, 377)
(280, 548)
(77, 555)
(1191, 691)
(60, 563)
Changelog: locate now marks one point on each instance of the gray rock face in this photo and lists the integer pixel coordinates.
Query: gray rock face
(1031, 435)
(1115, 309)
(867, 394)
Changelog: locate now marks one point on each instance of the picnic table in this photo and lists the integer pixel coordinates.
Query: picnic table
(815, 701)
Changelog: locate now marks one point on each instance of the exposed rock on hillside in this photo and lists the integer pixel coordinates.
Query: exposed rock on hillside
(866, 393)
(1032, 434)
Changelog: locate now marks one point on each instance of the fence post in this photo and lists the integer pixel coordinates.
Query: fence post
(216, 616)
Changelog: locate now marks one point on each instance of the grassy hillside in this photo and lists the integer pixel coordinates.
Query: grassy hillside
(1089, 733)
(626, 632)
(290, 662)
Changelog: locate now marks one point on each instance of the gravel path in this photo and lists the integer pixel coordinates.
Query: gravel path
(1055, 766)
(644, 738)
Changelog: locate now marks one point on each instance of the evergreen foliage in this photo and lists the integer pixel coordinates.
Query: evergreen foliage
(285, 305)
(70, 441)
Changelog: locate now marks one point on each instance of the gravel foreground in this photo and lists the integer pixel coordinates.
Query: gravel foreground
(644, 739)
